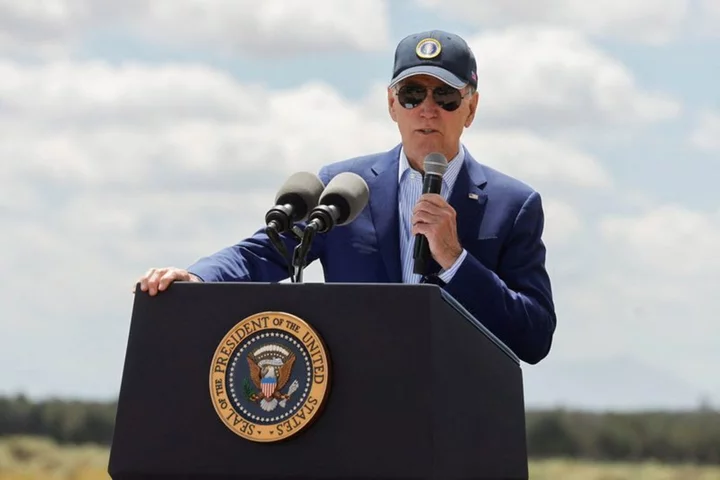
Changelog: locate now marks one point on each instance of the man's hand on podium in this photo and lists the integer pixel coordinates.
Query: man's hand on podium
(158, 279)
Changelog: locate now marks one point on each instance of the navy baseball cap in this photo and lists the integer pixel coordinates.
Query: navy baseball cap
(443, 55)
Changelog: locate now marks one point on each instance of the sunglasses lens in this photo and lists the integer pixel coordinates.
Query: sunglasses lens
(448, 98)
(410, 96)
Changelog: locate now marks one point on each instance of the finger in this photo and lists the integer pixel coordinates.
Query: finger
(144, 280)
(434, 199)
(169, 277)
(165, 280)
(426, 217)
(426, 229)
(155, 279)
(426, 207)
(433, 202)
(446, 213)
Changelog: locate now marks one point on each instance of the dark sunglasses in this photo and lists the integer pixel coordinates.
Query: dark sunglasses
(448, 98)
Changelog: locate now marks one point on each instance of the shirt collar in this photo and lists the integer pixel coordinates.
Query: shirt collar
(451, 174)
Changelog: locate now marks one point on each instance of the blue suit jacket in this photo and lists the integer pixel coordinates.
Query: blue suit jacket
(502, 282)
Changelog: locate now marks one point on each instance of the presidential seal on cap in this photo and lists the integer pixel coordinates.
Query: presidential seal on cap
(428, 48)
(269, 377)
(440, 54)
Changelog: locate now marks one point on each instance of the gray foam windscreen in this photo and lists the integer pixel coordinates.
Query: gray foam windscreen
(354, 192)
(435, 164)
(304, 186)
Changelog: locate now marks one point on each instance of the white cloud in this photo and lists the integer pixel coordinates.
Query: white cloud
(552, 78)
(711, 7)
(707, 134)
(709, 17)
(652, 22)
(94, 123)
(95, 92)
(669, 239)
(31, 24)
(260, 27)
(642, 285)
(525, 155)
(237, 27)
(562, 223)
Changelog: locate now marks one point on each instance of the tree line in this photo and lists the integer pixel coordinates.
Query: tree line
(690, 436)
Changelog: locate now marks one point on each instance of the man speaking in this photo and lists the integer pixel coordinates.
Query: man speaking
(434, 214)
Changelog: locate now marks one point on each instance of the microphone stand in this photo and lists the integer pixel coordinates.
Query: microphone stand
(297, 264)
(272, 232)
(302, 249)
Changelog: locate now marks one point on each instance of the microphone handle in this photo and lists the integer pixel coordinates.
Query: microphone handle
(324, 217)
(280, 217)
(421, 252)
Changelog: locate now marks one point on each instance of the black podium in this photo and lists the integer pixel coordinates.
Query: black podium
(415, 388)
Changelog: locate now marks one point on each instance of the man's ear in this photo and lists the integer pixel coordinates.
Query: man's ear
(391, 104)
(473, 108)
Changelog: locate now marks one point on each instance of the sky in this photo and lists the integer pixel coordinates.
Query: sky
(145, 134)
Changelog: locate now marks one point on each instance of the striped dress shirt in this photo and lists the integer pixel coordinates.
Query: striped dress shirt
(409, 191)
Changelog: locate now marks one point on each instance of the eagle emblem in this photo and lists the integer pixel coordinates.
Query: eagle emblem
(269, 376)
(428, 48)
(270, 370)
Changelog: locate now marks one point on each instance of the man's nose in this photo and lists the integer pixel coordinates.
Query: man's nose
(428, 107)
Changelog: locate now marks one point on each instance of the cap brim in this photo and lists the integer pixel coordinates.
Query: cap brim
(437, 72)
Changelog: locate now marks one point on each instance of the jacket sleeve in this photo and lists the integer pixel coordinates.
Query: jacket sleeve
(254, 259)
(515, 303)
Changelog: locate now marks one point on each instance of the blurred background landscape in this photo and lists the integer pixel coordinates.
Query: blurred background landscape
(142, 134)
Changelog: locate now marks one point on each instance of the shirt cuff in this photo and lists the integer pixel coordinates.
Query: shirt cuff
(447, 275)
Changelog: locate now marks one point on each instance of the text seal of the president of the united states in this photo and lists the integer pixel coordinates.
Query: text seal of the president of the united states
(269, 377)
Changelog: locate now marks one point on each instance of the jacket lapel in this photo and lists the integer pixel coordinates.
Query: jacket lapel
(384, 210)
(468, 199)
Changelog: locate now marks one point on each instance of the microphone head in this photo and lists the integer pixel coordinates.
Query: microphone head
(435, 164)
(349, 192)
(302, 190)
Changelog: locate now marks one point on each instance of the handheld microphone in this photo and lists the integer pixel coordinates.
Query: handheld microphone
(344, 198)
(296, 198)
(435, 165)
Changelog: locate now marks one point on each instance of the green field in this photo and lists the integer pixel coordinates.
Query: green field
(25, 458)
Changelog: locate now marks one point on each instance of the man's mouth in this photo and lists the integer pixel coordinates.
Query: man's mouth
(426, 131)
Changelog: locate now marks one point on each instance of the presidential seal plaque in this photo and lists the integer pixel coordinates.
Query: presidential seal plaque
(269, 377)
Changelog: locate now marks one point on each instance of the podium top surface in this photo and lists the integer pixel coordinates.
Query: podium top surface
(393, 289)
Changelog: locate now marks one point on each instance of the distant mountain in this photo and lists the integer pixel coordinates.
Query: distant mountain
(611, 384)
